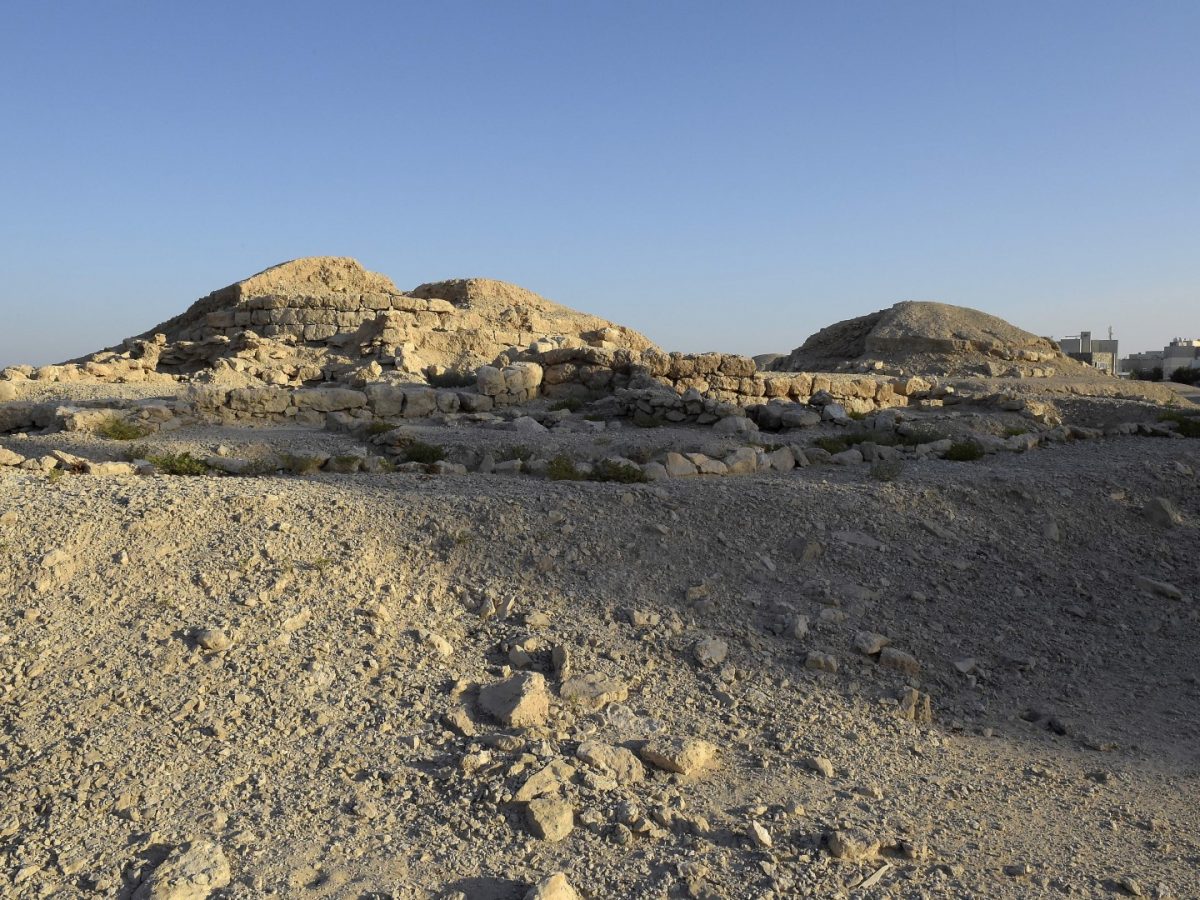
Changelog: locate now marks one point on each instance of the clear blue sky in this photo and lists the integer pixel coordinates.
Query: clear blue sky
(719, 175)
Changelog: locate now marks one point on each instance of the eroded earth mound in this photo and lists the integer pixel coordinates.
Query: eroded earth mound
(929, 338)
(321, 317)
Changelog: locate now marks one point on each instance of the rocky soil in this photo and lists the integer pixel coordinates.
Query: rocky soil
(977, 679)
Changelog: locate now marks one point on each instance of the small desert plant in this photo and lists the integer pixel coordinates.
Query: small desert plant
(515, 451)
(267, 465)
(832, 444)
(301, 465)
(1188, 425)
(55, 475)
(887, 469)
(1014, 430)
(621, 472)
(856, 416)
(964, 451)
(451, 378)
(643, 455)
(421, 452)
(178, 464)
(570, 404)
(920, 436)
(563, 468)
(378, 428)
(114, 428)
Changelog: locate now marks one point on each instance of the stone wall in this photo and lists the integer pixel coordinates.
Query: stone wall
(590, 372)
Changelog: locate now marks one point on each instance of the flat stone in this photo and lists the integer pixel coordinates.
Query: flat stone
(519, 701)
(711, 652)
(550, 780)
(684, 756)
(1161, 588)
(553, 887)
(820, 662)
(891, 658)
(869, 642)
(1160, 511)
(191, 872)
(622, 764)
(851, 844)
(593, 691)
(549, 818)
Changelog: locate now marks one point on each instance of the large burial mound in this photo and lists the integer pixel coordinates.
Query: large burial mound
(317, 317)
(930, 338)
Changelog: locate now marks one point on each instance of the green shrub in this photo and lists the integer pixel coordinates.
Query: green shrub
(622, 472)
(887, 469)
(451, 378)
(301, 465)
(1014, 430)
(55, 475)
(421, 452)
(514, 451)
(266, 465)
(1186, 375)
(114, 428)
(923, 436)
(1189, 424)
(563, 468)
(378, 428)
(832, 444)
(178, 464)
(571, 404)
(964, 451)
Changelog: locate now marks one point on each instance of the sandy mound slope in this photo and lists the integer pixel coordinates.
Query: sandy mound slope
(937, 338)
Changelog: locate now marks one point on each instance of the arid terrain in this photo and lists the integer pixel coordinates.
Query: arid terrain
(326, 589)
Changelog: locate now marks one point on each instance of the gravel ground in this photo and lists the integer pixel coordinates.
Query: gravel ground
(285, 672)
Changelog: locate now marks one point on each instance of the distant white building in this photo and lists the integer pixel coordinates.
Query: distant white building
(1181, 353)
(1102, 354)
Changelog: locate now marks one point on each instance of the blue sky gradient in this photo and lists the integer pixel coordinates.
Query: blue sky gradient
(717, 175)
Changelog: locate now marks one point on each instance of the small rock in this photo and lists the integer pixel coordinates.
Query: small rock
(711, 652)
(821, 765)
(214, 640)
(684, 756)
(593, 691)
(916, 706)
(549, 818)
(760, 836)
(547, 781)
(852, 844)
(821, 662)
(1160, 511)
(553, 887)
(1130, 886)
(869, 642)
(891, 658)
(622, 764)
(436, 642)
(1161, 588)
(191, 872)
(519, 701)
